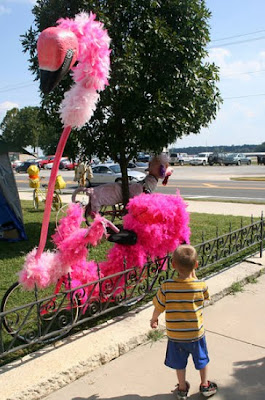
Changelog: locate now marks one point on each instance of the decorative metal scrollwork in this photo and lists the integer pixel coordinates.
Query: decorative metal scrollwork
(44, 320)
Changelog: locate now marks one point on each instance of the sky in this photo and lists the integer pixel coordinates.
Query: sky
(237, 47)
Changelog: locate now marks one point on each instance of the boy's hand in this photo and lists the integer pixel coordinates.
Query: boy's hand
(154, 323)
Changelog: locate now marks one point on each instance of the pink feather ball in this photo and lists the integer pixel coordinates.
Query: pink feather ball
(161, 223)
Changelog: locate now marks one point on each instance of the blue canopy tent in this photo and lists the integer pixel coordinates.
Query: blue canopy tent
(11, 219)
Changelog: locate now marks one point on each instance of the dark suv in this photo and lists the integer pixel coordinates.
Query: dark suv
(24, 166)
(216, 158)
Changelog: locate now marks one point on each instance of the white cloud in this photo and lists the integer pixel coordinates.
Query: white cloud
(238, 69)
(4, 10)
(5, 106)
(21, 1)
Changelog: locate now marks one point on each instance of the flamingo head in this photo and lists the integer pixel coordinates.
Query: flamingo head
(57, 52)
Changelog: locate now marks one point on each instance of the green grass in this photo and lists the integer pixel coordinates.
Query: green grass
(203, 227)
(252, 280)
(155, 335)
(236, 287)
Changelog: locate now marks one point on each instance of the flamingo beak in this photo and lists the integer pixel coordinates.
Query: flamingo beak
(50, 79)
(57, 52)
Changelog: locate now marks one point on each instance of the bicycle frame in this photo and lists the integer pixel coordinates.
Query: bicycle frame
(39, 195)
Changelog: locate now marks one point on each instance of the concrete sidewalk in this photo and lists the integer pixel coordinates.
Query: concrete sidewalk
(209, 207)
(80, 367)
(42, 373)
(236, 343)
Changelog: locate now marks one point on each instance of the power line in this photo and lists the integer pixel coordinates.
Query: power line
(235, 36)
(243, 73)
(16, 87)
(241, 97)
(238, 42)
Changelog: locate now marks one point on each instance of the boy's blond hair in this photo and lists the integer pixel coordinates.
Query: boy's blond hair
(185, 257)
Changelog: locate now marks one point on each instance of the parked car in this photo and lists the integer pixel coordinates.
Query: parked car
(179, 158)
(216, 158)
(46, 160)
(138, 166)
(173, 158)
(144, 157)
(106, 173)
(200, 159)
(70, 166)
(16, 163)
(236, 159)
(24, 166)
(63, 162)
(261, 160)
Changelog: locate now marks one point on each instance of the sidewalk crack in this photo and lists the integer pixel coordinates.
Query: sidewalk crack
(235, 339)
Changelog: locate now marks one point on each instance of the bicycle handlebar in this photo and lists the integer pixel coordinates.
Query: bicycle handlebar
(79, 189)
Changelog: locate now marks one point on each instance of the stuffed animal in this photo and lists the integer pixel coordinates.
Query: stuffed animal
(111, 193)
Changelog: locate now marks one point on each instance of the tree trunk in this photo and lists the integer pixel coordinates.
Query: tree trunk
(125, 183)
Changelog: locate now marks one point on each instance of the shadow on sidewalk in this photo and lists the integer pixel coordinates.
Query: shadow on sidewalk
(249, 384)
(129, 397)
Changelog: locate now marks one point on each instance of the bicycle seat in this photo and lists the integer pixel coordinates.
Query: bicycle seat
(125, 236)
(44, 185)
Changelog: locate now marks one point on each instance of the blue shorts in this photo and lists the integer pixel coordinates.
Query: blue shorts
(178, 353)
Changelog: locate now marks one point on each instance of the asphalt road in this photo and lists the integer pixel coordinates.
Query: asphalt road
(193, 182)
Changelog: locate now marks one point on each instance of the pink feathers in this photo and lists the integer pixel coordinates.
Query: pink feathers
(92, 71)
(70, 256)
(161, 224)
(42, 271)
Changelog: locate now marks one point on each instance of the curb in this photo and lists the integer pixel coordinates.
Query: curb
(41, 373)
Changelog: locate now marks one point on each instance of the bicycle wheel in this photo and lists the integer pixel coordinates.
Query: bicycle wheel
(56, 202)
(108, 212)
(36, 199)
(37, 319)
(119, 211)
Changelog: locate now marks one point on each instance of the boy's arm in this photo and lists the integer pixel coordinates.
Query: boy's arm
(206, 293)
(159, 303)
(154, 319)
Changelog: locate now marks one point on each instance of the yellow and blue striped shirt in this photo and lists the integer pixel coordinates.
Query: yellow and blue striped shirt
(182, 300)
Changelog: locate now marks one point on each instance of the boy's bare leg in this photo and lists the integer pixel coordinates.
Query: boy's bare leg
(181, 374)
(204, 376)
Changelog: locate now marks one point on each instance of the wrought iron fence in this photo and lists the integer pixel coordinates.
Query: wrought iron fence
(48, 317)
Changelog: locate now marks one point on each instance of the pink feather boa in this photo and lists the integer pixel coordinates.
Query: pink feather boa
(70, 256)
(92, 71)
(161, 224)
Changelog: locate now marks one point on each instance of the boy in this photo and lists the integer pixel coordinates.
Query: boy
(182, 299)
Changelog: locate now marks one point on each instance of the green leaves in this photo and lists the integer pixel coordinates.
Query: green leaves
(160, 86)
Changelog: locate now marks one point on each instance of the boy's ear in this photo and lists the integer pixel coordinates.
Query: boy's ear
(196, 264)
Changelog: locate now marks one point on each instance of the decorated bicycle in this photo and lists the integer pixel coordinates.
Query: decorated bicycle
(39, 194)
(154, 225)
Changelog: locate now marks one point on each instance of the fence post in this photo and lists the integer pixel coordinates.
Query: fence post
(261, 234)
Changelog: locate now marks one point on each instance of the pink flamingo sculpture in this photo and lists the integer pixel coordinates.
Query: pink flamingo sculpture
(160, 222)
(84, 40)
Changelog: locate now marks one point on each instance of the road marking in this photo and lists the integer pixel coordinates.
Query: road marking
(210, 185)
(26, 181)
(217, 187)
(179, 185)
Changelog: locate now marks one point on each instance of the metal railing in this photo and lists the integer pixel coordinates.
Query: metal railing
(46, 318)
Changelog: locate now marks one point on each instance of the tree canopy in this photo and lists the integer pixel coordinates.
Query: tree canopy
(161, 87)
(22, 127)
